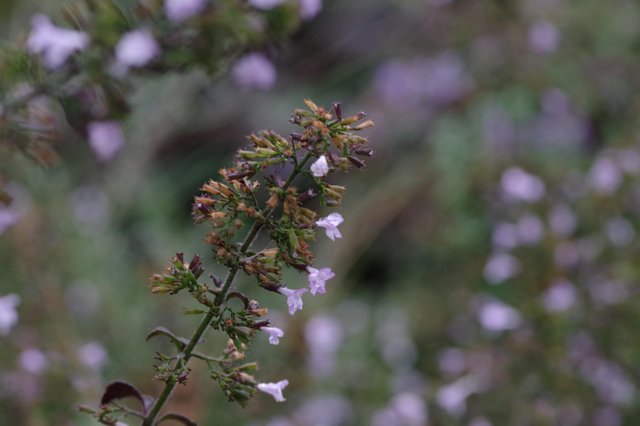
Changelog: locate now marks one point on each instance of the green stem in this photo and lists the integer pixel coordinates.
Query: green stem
(197, 335)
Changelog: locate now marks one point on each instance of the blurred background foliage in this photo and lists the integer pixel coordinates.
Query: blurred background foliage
(488, 272)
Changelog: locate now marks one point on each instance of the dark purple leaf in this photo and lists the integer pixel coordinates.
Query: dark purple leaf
(119, 390)
(179, 418)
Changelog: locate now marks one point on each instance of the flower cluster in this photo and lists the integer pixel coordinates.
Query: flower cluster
(266, 189)
(88, 65)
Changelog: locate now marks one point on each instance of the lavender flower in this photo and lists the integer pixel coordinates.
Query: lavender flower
(543, 37)
(522, 186)
(54, 43)
(605, 177)
(294, 298)
(309, 9)
(320, 167)
(8, 313)
(274, 334)
(254, 71)
(500, 267)
(274, 389)
(93, 355)
(561, 296)
(318, 279)
(105, 138)
(496, 316)
(33, 361)
(136, 49)
(181, 10)
(7, 218)
(330, 224)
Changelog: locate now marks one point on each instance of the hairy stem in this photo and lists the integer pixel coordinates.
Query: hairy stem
(228, 281)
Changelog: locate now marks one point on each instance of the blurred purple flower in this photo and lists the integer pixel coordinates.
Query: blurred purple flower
(521, 186)
(530, 229)
(405, 409)
(500, 267)
(318, 279)
(452, 361)
(452, 397)
(33, 361)
(324, 336)
(181, 10)
(562, 220)
(505, 235)
(105, 138)
(629, 160)
(560, 297)
(274, 334)
(7, 218)
(330, 224)
(309, 9)
(136, 49)
(92, 355)
(8, 313)
(620, 232)
(440, 80)
(274, 389)
(495, 316)
(54, 43)
(543, 37)
(446, 80)
(254, 71)
(605, 176)
(294, 298)
(265, 4)
(326, 410)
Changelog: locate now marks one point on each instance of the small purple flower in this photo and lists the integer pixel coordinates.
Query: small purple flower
(320, 167)
(500, 267)
(93, 355)
(54, 43)
(318, 279)
(181, 10)
(495, 316)
(105, 138)
(294, 298)
(8, 313)
(543, 37)
(265, 4)
(136, 49)
(254, 71)
(274, 334)
(7, 218)
(309, 9)
(330, 224)
(274, 389)
(33, 361)
(522, 186)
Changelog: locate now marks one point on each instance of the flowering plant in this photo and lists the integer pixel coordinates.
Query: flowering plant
(266, 189)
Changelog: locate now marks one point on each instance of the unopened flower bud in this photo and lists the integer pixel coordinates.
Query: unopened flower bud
(356, 162)
(367, 124)
(353, 119)
(337, 107)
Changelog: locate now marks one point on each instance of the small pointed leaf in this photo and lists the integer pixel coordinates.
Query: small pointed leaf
(180, 342)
